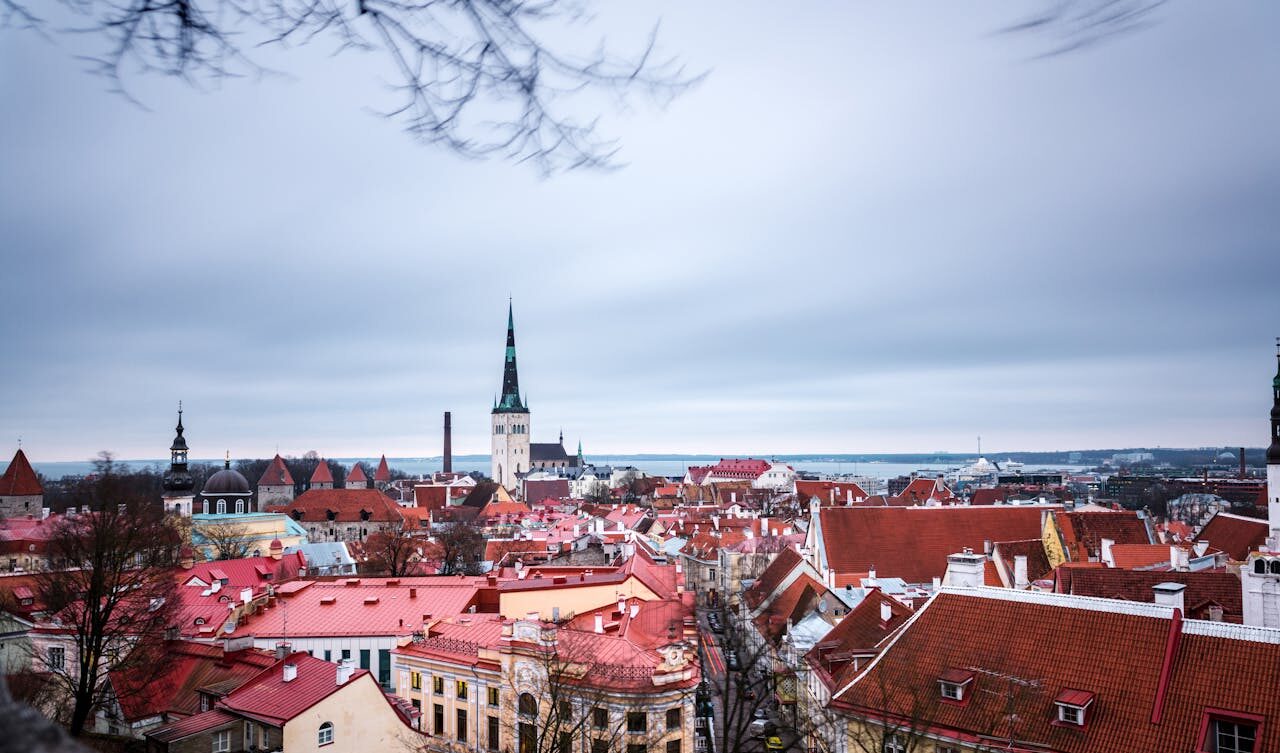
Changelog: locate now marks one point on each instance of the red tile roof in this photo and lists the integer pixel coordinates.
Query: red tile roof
(772, 577)
(1151, 688)
(19, 479)
(745, 468)
(788, 607)
(346, 504)
(362, 606)
(697, 473)
(268, 697)
(322, 474)
(1082, 532)
(1204, 588)
(1236, 535)
(189, 667)
(913, 543)
(988, 496)
(277, 474)
(1033, 549)
(383, 472)
(192, 725)
(830, 492)
(538, 490)
(356, 475)
(858, 634)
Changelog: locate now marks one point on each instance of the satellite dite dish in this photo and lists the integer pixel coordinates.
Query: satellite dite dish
(822, 606)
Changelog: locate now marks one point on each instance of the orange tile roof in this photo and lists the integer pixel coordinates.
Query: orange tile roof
(1205, 588)
(383, 473)
(276, 474)
(346, 504)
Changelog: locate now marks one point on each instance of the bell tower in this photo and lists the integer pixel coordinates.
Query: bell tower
(178, 484)
(510, 420)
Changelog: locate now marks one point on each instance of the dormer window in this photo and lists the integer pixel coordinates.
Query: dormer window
(1229, 732)
(1073, 707)
(954, 685)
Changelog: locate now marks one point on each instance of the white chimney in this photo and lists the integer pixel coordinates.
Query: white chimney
(1179, 558)
(345, 668)
(937, 583)
(635, 610)
(622, 604)
(599, 623)
(246, 595)
(1170, 595)
(290, 672)
(965, 569)
(531, 616)
(1105, 554)
(848, 496)
(886, 611)
(733, 497)
(1020, 571)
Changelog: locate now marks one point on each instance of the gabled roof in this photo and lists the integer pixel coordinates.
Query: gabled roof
(1033, 549)
(189, 667)
(857, 634)
(322, 474)
(267, 696)
(913, 543)
(547, 452)
(1153, 675)
(772, 577)
(362, 606)
(314, 505)
(788, 607)
(830, 492)
(383, 473)
(19, 479)
(276, 474)
(1135, 556)
(1236, 535)
(192, 725)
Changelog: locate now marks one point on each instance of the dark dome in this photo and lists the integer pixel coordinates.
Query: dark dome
(226, 481)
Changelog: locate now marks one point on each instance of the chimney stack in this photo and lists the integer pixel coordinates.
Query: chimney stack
(886, 611)
(1020, 571)
(448, 443)
(1242, 470)
(283, 649)
(599, 623)
(290, 672)
(1170, 595)
(345, 668)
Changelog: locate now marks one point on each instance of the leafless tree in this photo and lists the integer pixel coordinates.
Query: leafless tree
(461, 547)
(229, 541)
(479, 77)
(393, 551)
(572, 700)
(111, 585)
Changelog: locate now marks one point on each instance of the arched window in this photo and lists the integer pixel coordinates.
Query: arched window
(528, 704)
(239, 507)
(1260, 566)
(1275, 567)
(325, 735)
(222, 507)
(206, 507)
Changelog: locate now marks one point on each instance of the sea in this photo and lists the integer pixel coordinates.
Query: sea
(664, 465)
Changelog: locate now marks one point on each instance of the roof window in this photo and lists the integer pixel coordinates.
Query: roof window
(1073, 706)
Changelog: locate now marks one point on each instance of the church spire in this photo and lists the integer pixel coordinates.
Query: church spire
(178, 478)
(510, 401)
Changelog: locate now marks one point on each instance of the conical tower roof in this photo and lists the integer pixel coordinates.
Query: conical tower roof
(510, 401)
(384, 472)
(20, 479)
(322, 474)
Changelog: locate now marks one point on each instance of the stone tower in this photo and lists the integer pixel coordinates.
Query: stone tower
(510, 453)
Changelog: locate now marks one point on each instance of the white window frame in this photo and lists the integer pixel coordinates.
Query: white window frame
(222, 507)
(222, 741)
(61, 662)
(1076, 712)
(951, 691)
(321, 738)
(894, 744)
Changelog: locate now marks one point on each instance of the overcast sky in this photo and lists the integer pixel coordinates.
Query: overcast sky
(874, 227)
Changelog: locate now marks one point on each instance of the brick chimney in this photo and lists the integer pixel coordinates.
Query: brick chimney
(447, 466)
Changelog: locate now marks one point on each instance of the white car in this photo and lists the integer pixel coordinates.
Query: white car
(759, 724)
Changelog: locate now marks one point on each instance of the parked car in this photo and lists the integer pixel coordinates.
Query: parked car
(759, 723)
(731, 660)
(774, 743)
(717, 627)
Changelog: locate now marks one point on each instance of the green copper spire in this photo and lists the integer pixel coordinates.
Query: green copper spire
(510, 401)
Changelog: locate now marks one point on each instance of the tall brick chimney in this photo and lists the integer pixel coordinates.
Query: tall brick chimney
(448, 443)
(1242, 468)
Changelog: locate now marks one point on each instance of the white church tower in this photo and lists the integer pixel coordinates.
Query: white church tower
(510, 453)
(1261, 575)
(178, 484)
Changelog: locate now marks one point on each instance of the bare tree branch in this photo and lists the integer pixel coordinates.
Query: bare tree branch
(474, 76)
